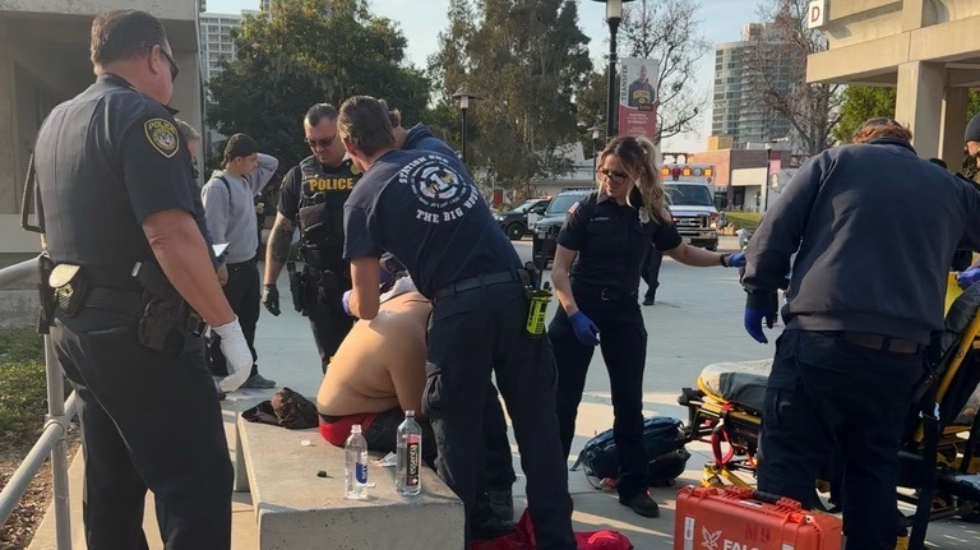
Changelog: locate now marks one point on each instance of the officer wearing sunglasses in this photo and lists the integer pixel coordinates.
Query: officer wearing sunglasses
(596, 276)
(115, 190)
(312, 198)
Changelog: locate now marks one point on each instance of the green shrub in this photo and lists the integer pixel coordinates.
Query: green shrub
(23, 386)
(745, 220)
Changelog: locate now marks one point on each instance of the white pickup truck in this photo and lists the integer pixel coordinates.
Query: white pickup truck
(692, 206)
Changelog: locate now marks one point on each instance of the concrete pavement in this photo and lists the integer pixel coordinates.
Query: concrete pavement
(697, 321)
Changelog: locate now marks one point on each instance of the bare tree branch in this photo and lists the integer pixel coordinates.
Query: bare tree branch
(668, 31)
(779, 58)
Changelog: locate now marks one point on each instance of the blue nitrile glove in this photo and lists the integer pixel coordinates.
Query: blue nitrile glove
(346, 301)
(966, 278)
(735, 260)
(585, 330)
(759, 306)
(753, 323)
(386, 279)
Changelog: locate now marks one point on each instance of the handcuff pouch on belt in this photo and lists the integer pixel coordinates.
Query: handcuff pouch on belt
(166, 315)
(70, 287)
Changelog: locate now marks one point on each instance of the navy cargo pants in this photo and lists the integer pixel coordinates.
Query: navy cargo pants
(150, 420)
(624, 348)
(829, 395)
(472, 333)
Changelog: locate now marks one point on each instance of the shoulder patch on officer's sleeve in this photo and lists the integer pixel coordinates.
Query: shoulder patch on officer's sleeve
(162, 136)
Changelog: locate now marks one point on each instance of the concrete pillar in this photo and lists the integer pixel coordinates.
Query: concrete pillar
(954, 125)
(919, 103)
(915, 14)
(9, 147)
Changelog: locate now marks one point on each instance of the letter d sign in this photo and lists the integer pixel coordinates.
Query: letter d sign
(816, 14)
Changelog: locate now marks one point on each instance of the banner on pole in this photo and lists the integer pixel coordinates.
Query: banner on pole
(638, 98)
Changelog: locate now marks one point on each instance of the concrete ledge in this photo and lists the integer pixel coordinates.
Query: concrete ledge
(297, 509)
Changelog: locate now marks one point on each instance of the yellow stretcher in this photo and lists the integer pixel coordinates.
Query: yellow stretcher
(725, 412)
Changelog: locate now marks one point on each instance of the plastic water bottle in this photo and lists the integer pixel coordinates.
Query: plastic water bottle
(408, 469)
(355, 480)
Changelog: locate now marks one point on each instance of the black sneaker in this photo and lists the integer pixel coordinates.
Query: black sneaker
(649, 301)
(643, 505)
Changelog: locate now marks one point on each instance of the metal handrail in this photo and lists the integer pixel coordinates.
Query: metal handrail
(52, 442)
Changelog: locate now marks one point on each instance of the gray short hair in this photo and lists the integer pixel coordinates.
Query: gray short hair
(187, 131)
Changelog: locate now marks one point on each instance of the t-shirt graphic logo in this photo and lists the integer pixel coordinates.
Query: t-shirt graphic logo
(442, 192)
(710, 539)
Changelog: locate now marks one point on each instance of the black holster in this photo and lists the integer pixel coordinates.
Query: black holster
(166, 316)
(296, 288)
(46, 294)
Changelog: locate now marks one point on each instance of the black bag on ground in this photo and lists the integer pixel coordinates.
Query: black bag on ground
(663, 439)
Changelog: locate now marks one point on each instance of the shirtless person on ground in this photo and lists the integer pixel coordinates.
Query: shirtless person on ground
(379, 371)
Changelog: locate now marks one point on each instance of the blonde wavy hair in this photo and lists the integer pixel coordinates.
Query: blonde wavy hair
(638, 158)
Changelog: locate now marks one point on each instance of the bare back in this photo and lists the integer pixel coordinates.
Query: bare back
(380, 365)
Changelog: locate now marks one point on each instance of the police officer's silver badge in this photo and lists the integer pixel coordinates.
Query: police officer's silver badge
(162, 135)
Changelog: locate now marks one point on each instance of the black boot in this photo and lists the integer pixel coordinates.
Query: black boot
(493, 515)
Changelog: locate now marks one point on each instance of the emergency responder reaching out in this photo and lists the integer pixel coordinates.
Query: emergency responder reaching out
(132, 287)
(423, 208)
(597, 276)
(858, 317)
(312, 198)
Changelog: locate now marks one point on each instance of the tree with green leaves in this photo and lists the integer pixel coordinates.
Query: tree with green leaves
(525, 58)
(307, 52)
(861, 103)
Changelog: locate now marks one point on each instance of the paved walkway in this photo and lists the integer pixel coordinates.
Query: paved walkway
(697, 321)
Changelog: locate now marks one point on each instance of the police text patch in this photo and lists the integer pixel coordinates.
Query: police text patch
(162, 136)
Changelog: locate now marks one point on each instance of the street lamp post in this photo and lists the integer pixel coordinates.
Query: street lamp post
(464, 97)
(614, 16)
(768, 169)
(596, 134)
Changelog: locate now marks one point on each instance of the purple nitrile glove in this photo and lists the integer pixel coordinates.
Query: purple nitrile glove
(966, 278)
(346, 301)
(753, 323)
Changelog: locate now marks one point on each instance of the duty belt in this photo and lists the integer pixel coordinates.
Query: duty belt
(132, 303)
(882, 343)
(518, 276)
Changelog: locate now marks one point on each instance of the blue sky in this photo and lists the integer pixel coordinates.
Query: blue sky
(422, 20)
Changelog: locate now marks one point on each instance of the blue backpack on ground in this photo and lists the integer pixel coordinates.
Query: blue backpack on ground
(663, 438)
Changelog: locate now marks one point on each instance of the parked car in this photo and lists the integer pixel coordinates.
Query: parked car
(546, 229)
(515, 223)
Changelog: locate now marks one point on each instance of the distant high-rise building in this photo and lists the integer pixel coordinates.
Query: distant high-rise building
(216, 41)
(740, 107)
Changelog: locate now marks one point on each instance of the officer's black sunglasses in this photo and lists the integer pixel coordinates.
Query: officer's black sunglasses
(322, 143)
(174, 67)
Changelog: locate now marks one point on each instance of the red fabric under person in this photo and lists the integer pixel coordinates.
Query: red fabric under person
(337, 432)
(523, 539)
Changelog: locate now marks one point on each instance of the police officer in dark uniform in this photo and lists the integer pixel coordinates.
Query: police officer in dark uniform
(312, 198)
(609, 232)
(422, 207)
(133, 283)
(858, 317)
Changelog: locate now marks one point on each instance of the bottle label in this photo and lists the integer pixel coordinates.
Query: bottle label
(360, 472)
(412, 471)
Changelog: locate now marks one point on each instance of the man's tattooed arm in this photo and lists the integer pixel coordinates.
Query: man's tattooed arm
(279, 246)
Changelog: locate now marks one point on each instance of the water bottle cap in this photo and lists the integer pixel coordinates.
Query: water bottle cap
(409, 413)
(355, 429)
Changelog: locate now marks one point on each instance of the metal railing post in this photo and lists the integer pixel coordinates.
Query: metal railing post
(52, 444)
(59, 453)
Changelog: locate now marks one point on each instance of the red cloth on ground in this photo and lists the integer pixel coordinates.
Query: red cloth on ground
(337, 432)
(523, 539)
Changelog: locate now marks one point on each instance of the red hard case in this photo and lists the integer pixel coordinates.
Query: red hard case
(710, 518)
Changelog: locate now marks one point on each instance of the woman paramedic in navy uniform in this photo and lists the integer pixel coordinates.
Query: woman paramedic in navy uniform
(596, 276)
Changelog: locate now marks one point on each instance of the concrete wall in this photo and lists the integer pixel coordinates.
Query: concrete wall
(164, 9)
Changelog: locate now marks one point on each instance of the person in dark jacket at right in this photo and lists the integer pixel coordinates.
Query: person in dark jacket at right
(858, 316)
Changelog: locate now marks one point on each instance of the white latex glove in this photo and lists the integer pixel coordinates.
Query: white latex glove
(238, 357)
(401, 286)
